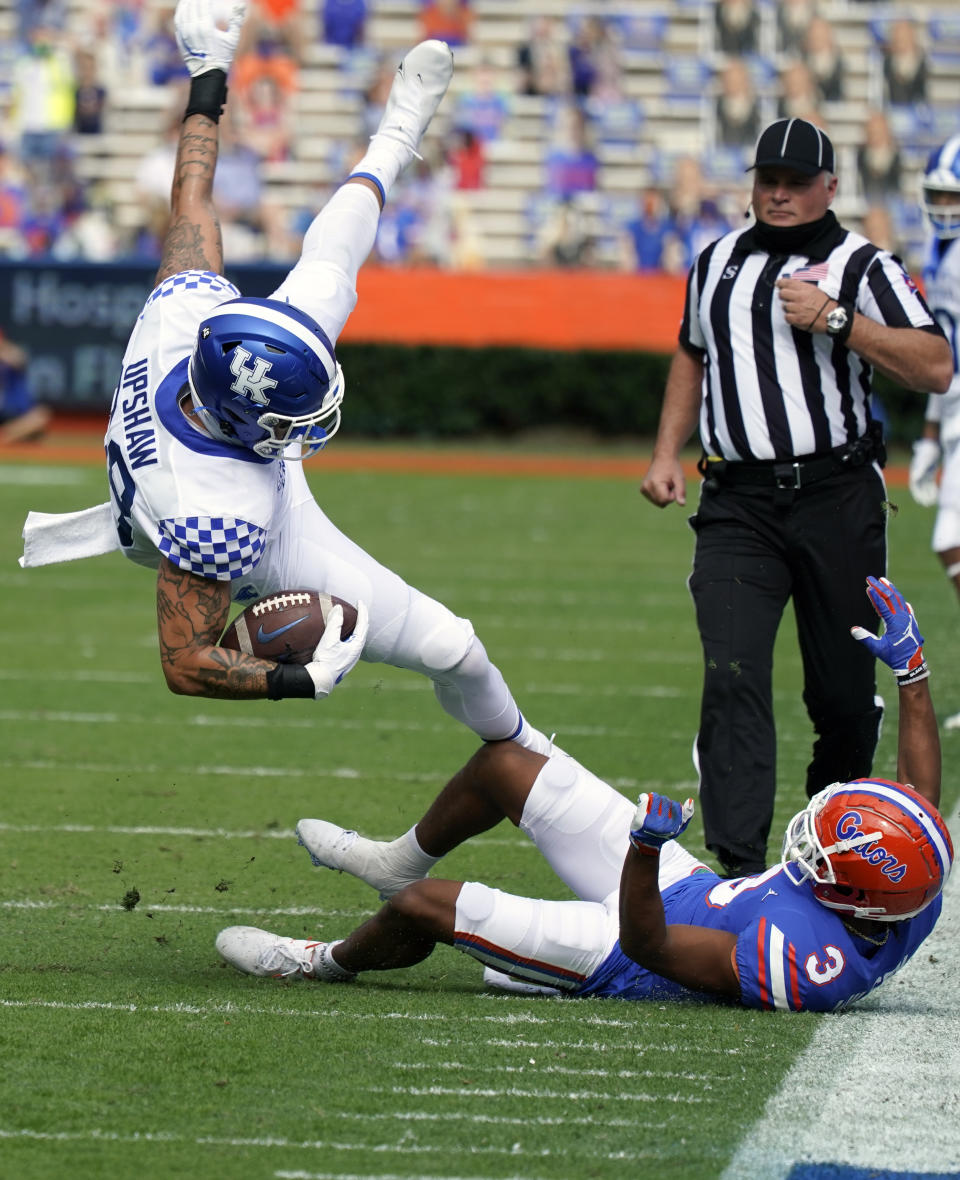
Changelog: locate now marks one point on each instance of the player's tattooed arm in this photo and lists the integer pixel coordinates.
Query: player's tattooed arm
(193, 240)
(191, 615)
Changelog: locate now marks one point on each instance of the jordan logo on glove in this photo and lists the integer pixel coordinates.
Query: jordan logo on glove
(900, 646)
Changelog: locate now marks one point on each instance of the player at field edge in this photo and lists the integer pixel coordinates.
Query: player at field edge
(938, 447)
(221, 397)
(857, 891)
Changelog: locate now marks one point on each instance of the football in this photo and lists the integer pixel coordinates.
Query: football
(286, 627)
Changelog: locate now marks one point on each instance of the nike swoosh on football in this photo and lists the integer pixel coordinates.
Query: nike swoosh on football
(266, 636)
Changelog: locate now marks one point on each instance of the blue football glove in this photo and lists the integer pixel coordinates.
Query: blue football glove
(657, 820)
(901, 644)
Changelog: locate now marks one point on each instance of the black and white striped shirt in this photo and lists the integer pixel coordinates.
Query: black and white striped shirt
(772, 391)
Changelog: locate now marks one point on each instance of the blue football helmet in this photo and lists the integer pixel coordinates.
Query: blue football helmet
(263, 375)
(942, 175)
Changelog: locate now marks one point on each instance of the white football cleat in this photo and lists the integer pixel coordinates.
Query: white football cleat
(377, 862)
(952, 722)
(506, 983)
(258, 952)
(421, 82)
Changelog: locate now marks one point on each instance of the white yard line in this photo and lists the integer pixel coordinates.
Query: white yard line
(395, 685)
(228, 1008)
(272, 1143)
(23, 475)
(879, 1086)
(47, 717)
(534, 1069)
(298, 1175)
(342, 772)
(516, 842)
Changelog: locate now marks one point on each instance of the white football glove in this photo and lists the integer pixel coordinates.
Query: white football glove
(334, 657)
(923, 471)
(203, 45)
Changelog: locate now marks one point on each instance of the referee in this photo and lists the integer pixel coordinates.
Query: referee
(784, 322)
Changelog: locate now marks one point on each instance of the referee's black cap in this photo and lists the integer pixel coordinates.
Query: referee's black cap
(794, 143)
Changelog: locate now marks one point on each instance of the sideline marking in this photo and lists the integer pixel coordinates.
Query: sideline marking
(878, 1087)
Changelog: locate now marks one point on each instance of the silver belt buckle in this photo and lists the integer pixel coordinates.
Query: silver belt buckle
(789, 479)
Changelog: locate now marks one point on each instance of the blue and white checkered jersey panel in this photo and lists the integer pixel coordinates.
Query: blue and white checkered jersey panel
(192, 280)
(216, 547)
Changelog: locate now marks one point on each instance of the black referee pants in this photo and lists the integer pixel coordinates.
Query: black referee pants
(756, 547)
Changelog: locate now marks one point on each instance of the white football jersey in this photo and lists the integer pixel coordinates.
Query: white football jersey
(209, 507)
(941, 278)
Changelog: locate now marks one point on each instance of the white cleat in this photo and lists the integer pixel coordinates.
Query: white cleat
(421, 82)
(346, 851)
(258, 952)
(952, 722)
(506, 983)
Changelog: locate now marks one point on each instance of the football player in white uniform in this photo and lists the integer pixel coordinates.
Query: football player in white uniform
(939, 445)
(219, 400)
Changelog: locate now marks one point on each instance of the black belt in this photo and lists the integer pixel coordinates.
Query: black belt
(796, 474)
(806, 469)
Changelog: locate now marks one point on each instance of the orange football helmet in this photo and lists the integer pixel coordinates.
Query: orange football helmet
(870, 848)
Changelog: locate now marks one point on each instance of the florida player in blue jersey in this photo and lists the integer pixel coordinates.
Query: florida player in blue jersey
(856, 892)
(219, 400)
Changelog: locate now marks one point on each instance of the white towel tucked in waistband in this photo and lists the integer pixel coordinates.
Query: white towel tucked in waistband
(49, 537)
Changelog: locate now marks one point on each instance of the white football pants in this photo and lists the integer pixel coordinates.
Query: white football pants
(946, 530)
(582, 827)
(407, 629)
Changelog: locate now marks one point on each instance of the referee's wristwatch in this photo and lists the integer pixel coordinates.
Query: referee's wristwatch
(839, 321)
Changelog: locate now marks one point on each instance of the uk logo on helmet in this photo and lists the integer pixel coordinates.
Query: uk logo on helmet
(251, 382)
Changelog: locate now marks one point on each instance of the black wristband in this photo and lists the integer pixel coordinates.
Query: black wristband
(845, 331)
(290, 680)
(208, 93)
(920, 672)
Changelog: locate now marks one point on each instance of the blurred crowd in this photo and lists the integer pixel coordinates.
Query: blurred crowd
(69, 80)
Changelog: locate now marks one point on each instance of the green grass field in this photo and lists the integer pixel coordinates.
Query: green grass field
(137, 824)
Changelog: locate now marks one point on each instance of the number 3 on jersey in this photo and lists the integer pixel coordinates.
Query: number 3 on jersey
(820, 967)
(821, 971)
